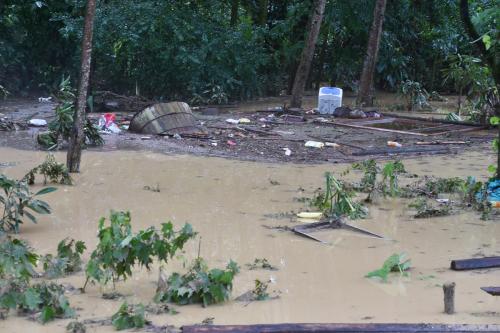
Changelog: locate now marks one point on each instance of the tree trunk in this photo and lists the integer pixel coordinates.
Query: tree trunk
(262, 12)
(365, 95)
(77, 137)
(235, 4)
(307, 53)
(321, 60)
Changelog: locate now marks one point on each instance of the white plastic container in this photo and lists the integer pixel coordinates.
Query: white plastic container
(329, 98)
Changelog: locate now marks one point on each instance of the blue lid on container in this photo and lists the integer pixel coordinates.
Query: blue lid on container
(330, 91)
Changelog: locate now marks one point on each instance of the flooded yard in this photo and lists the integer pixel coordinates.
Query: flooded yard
(229, 202)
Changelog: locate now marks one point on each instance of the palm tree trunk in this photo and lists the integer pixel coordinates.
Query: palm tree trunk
(365, 95)
(307, 53)
(77, 137)
(235, 4)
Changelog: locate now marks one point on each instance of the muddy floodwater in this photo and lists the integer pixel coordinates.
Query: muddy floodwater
(228, 202)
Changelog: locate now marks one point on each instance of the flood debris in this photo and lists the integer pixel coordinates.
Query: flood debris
(261, 263)
(426, 210)
(164, 118)
(449, 297)
(259, 293)
(475, 263)
(493, 291)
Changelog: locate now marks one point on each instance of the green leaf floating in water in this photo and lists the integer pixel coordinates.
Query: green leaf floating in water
(395, 263)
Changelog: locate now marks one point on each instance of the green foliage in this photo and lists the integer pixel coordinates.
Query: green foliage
(336, 200)
(395, 263)
(129, 316)
(119, 249)
(67, 261)
(445, 185)
(17, 260)
(45, 299)
(415, 95)
(61, 126)
(4, 92)
(260, 291)
(261, 264)
(425, 210)
(474, 80)
(200, 285)
(50, 169)
(17, 201)
(390, 173)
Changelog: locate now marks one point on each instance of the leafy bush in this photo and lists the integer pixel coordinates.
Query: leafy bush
(119, 249)
(67, 261)
(390, 173)
(199, 285)
(17, 201)
(415, 95)
(337, 200)
(61, 126)
(129, 316)
(55, 172)
(17, 260)
(17, 267)
(395, 263)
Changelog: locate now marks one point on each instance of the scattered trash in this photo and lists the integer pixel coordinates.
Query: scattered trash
(37, 122)
(244, 121)
(332, 144)
(310, 215)
(443, 201)
(232, 121)
(357, 114)
(284, 132)
(394, 144)
(145, 138)
(44, 99)
(213, 144)
(288, 152)
(177, 136)
(314, 144)
(231, 143)
(107, 123)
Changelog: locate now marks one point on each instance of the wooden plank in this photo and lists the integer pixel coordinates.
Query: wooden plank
(493, 291)
(475, 263)
(344, 328)
(375, 129)
(429, 143)
(433, 120)
(387, 151)
(461, 130)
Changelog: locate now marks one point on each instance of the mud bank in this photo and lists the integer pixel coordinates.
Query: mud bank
(227, 202)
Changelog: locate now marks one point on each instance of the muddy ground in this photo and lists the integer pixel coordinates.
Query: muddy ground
(232, 202)
(267, 140)
(229, 203)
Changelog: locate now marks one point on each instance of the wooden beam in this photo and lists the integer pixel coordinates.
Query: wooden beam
(336, 328)
(409, 150)
(475, 263)
(493, 291)
(374, 129)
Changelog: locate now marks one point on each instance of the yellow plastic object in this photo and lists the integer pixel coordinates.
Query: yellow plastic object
(310, 215)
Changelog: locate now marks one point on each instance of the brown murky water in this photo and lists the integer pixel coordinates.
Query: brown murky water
(227, 203)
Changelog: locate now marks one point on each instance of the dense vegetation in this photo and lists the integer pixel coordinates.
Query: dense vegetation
(214, 51)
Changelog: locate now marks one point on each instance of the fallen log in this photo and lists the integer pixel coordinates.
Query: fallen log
(336, 328)
(475, 263)
(493, 291)
(411, 150)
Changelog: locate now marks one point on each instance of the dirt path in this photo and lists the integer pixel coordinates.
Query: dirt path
(228, 201)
